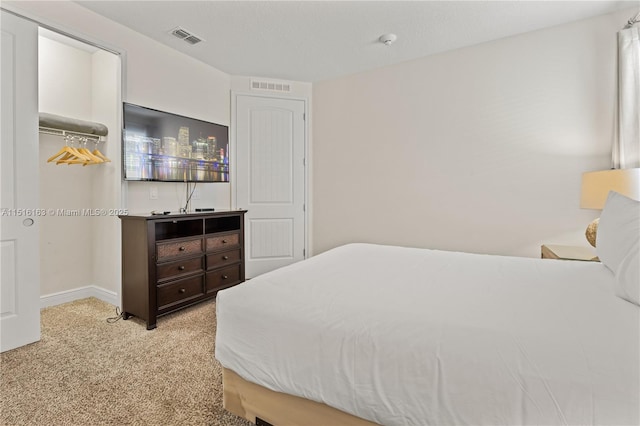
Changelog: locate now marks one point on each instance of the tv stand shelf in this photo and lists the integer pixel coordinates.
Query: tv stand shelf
(170, 262)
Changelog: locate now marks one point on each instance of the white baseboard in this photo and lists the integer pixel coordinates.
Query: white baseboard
(79, 293)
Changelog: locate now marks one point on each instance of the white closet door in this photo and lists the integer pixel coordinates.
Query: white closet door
(19, 217)
(270, 180)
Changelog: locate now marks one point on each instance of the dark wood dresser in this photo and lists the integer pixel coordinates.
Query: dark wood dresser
(170, 262)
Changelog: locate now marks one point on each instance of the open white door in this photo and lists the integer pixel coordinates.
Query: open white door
(270, 180)
(19, 214)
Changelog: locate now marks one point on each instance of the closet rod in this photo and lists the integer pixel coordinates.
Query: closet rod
(65, 133)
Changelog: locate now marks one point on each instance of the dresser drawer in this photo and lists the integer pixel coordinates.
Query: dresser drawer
(171, 270)
(182, 248)
(219, 242)
(181, 291)
(222, 278)
(216, 260)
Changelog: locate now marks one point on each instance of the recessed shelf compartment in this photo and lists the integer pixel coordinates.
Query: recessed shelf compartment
(221, 224)
(178, 228)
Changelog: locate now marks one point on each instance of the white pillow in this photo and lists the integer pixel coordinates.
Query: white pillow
(628, 276)
(618, 230)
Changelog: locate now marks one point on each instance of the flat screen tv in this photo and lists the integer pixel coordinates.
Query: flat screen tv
(160, 146)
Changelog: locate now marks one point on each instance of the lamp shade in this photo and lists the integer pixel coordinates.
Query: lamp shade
(596, 186)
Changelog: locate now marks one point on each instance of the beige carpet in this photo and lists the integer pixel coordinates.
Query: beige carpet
(86, 371)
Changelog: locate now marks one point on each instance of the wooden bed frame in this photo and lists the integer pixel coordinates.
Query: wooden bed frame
(259, 405)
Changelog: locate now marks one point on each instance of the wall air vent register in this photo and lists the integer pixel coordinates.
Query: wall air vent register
(271, 86)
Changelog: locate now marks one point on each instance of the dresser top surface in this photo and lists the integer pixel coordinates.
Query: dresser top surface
(193, 215)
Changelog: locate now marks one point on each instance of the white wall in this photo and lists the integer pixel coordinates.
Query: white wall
(107, 181)
(479, 149)
(65, 87)
(164, 79)
(156, 76)
(79, 250)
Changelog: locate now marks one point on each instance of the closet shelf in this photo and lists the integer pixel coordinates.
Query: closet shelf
(57, 125)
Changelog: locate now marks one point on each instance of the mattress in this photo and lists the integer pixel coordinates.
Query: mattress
(405, 336)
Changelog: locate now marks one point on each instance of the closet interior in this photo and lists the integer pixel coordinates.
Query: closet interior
(79, 100)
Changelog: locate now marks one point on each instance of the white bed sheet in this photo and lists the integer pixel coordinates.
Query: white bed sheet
(404, 336)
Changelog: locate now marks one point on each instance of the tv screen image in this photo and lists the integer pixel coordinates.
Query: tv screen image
(160, 146)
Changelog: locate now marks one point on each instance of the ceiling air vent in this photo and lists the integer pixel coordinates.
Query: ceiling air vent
(185, 35)
(270, 86)
(192, 39)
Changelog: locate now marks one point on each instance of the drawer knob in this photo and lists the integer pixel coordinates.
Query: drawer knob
(225, 257)
(224, 241)
(181, 268)
(182, 248)
(224, 277)
(182, 290)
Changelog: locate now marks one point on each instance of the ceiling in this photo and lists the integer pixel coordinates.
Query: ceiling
(318, 40)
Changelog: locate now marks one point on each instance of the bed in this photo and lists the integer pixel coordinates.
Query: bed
(389, 335)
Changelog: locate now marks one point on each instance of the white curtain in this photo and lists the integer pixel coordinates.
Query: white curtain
(626, 146)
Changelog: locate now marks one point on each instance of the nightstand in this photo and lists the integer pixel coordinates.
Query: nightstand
(554, 251)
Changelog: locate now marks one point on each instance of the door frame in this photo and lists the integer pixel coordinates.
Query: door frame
(307, 154)
(49, 24)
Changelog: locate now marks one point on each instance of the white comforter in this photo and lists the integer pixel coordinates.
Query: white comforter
(403, 336)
